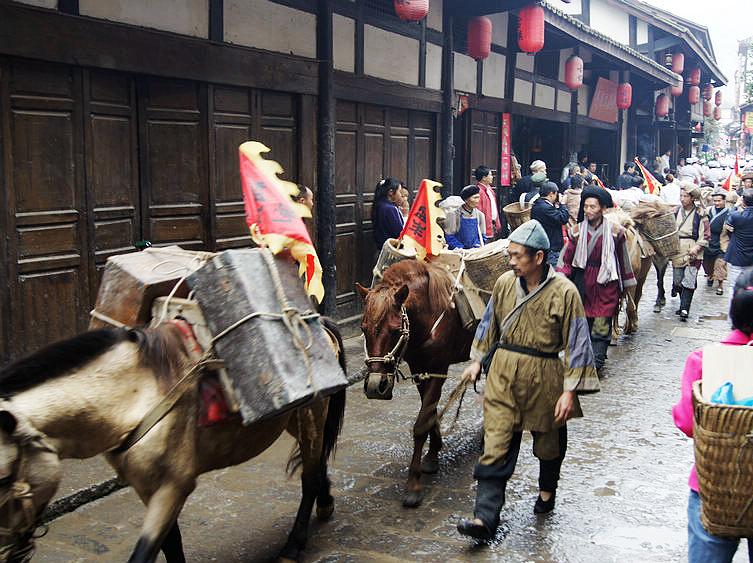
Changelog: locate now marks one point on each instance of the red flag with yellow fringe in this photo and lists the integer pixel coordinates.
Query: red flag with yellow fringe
(421, 231)
(274, 218)
(652, 184)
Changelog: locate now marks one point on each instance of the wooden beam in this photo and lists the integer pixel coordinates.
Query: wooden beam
(326, 211)
(448, 99)
(666, 42)
(68, 6)
(371, 90)
(94, 43)
(216, 20)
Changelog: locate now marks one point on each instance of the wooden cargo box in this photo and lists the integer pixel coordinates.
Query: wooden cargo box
(270, 369)
(132, 281)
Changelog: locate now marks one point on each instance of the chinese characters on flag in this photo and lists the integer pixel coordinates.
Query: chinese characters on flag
(421, 231)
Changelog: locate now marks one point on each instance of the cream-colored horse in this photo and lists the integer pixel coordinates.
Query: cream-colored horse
(82, 397)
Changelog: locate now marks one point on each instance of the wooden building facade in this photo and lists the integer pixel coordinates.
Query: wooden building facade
(120, 122)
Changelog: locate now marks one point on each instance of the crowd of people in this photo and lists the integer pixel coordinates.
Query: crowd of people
(544, 335)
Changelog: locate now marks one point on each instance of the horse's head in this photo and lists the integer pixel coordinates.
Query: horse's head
(386, 330)
(29, 477)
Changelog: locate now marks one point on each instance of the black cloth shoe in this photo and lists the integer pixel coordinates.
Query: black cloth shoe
(469, 528)
(544, 506)
(709, 283)
(684, 316)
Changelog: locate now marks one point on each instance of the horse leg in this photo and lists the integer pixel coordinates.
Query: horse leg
(160, 522)
(660, 265)
(425, 421)
(172, 545)
(307, 426)
(430, 463)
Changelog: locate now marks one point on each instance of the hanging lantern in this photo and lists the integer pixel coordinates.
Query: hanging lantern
(718, 98)
(574, 72)
(662, 106)
(624, 95)
(708, 91)
(676, 91)
(479, 37)
(411, 10)
(694, 78)
(694, 94)
(678, 63)
(707, 111)
(531, 29)
(717, 113)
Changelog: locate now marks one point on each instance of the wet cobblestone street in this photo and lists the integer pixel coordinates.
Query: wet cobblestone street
(622, 496)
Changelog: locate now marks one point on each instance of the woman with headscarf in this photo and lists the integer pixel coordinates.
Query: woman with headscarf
(694, 231)
(385, 213)
(465, 224)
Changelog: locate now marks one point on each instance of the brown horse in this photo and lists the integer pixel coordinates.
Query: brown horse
(398, 318)
(84, 396)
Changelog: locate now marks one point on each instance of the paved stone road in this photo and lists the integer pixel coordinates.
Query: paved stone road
(622, 496)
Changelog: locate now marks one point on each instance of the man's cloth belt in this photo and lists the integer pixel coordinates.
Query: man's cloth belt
(691, 238)
(487, 361)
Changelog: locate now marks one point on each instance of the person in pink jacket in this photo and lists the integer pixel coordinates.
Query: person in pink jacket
(704, 547)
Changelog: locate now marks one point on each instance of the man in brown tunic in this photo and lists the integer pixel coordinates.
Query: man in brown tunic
(533, 316)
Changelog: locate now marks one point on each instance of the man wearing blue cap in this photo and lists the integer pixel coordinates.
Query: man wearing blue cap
(533, 315)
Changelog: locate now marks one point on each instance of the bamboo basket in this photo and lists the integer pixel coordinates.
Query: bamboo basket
(723, 437)
(484, 265)
(515, 215)
(661, 232)
(391, 254)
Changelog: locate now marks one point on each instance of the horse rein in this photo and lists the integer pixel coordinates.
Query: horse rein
(19, 492)
(395, 356)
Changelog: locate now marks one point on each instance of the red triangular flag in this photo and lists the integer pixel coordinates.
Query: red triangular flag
(652, 184)
(421, 230)
(727, 185)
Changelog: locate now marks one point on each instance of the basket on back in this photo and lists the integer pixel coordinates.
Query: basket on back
(484, 265)
(516, 215)
(391, 253)
(723, 437)
(656, 221)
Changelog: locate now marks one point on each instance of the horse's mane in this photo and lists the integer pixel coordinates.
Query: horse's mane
(160, 349)
(416, 275)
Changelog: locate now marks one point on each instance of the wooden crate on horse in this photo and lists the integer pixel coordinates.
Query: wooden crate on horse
(263, 327)
(132, 281)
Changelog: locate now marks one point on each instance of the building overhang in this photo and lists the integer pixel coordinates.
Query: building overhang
(624, 56)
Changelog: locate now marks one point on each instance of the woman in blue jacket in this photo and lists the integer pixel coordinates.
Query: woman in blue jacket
(386, 218)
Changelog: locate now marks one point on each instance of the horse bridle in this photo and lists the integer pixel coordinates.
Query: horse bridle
(17, 542)
(393, 358)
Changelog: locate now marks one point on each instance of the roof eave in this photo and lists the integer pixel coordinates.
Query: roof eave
(612, 48)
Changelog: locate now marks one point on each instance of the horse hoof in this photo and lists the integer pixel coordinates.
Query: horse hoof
(325, 512)
(412, 499)
(429, 466)
(657, 308)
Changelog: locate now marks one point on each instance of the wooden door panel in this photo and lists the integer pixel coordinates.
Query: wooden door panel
(173, 162)
(43, 147)
(112, 168)
(232, 125)
(424, 159)
(399, 157)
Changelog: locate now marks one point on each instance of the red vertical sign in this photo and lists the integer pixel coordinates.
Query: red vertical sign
(504, 165)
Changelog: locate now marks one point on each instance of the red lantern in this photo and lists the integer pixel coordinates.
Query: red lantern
(531, 29)
(707, 109)
(678, 63)
(624, 95)
(694, 94)
(411, 10)
(574, 72)
(479, 37)
(708, 91)
(717, 113)
(676, 91)
(694, 78)
(662, 106)
(718, 98)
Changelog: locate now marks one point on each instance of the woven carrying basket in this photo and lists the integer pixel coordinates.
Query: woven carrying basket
(391, 254)
(484, 265)
(515, 215)
(661, 232)
(723, 437)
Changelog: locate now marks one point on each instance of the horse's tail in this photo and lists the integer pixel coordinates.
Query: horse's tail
(336, 410)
